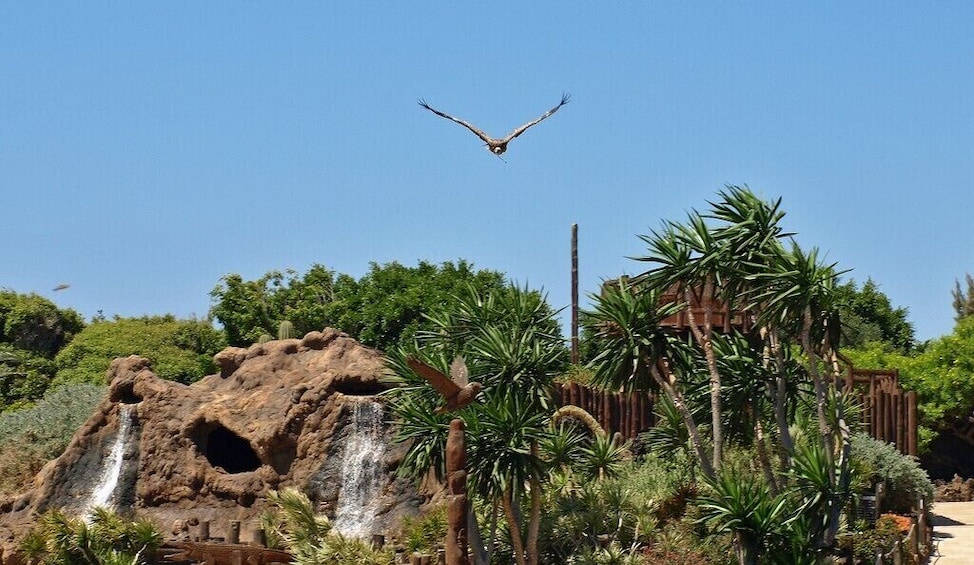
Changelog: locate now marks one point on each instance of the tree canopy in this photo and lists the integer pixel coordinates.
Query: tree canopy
(382, 309)
(868, 316)
(32, 330)
(180, 350)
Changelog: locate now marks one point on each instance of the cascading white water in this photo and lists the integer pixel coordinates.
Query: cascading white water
(362, 477)
(112, 468)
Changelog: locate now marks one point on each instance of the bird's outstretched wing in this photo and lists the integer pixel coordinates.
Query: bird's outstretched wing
(61, 287)
(565, 98)
(458, 372)
(483, 136)
(440, 382)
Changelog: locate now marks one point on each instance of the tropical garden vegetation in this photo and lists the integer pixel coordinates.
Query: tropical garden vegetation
(757, 455)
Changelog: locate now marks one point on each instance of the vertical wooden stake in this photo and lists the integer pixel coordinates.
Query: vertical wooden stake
(456, 477)
(575, 293)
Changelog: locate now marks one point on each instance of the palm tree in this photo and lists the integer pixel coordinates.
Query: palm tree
(512, 346)
(638, 352)
(799, 298)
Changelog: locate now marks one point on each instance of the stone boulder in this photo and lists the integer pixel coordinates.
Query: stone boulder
(279, 414)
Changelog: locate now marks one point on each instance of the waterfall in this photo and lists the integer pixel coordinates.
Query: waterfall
(362, 473)
(112, 467)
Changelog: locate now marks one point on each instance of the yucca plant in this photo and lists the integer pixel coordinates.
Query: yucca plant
(106, 538)
(742, 505)
(310, 539)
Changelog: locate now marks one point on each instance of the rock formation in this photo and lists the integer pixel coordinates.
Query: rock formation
(274, 416)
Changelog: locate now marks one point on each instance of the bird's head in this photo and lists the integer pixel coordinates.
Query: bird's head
(498, 149)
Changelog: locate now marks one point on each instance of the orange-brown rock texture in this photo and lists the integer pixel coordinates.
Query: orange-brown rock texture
(273, 417)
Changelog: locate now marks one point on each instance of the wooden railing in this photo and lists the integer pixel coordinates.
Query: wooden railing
(627, 413)
(889, 413)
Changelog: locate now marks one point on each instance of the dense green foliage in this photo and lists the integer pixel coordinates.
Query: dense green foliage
(35, 324)
(963, 299)
(906, 482)
(868, 316)
(384, 308)
(32, 436)
(180, 350)
(32, 330)
(942, 374)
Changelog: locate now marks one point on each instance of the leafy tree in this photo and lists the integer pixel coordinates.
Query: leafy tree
(735, 253)
(35, 324)
(180, 350)
(868, 316)
(388, 306)
(383, 309)
(24, 376)
(963, 299)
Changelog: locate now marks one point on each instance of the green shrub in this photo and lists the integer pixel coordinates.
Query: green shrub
(424, 533)
(24, 376)
(864, 543)
(906, 482)
(31, 437)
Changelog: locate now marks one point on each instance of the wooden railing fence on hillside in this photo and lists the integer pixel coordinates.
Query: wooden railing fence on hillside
(888, 412)
(627, 413)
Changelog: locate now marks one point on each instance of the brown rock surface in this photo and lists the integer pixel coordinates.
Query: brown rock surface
(273, 417)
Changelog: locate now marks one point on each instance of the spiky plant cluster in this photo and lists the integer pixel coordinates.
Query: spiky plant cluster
(309, 537)
(106, 538)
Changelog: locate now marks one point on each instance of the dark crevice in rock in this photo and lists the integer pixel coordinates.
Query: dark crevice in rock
(226, 450)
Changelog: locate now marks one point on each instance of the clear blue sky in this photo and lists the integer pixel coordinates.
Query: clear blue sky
(147, 149)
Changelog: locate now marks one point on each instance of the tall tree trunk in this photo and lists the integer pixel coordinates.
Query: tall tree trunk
(763, 457)
(821, 396)
(668, 384)
(704, 339)
(780, 396)
(517, 544)
(534, 523)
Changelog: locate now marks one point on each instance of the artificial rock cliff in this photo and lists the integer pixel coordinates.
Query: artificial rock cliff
(275, 416)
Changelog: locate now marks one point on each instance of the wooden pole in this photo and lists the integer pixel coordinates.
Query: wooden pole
(575, 294)
(456, 476)
(911, 423)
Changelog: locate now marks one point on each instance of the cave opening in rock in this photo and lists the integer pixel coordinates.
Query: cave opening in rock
(226, 449)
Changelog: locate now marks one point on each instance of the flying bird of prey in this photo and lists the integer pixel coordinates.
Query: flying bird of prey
(61, 287)
(457, 391)
(496, 146)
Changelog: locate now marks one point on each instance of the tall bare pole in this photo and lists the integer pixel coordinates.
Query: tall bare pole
(575, 293)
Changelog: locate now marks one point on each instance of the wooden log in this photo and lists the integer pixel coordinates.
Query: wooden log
(911, 423)
(880, 416)
(900, 423)
(260, 537)
(203, 531)
(456, 529)
(607, 412)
